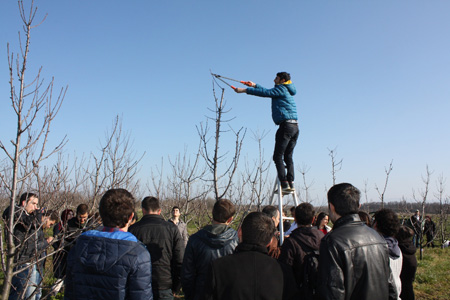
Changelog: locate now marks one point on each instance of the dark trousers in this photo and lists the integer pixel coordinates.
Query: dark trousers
(285, 141)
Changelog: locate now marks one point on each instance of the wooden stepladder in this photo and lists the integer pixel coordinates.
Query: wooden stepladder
(277, 192)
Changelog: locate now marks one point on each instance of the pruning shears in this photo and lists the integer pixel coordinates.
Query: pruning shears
(221, 78)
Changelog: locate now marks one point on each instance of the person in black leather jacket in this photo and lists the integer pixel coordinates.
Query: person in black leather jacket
(354, 258)
(208, 244)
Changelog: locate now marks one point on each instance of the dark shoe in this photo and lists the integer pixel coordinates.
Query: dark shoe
(285, 187)
(291, 185)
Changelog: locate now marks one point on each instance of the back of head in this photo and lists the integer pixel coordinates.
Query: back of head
(387, 222)
(270, 211)
(257, 229)
(223, 210)
(53, 215)
(284, 76)
(116, 207)
(345, 198)
(82, 209)
(365, 217)
(150, 204)
(304, 214)
(404, 234)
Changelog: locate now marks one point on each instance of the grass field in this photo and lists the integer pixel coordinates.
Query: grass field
(433, 275)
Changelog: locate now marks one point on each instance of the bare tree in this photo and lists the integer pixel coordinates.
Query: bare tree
(35, 108)
(221, 179)
(116, 166)
(336, 165)
(383, 192)
(443, 208)
(256, 174)
(306, 186)
(186, 174)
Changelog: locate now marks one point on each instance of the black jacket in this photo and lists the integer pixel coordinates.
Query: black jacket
(409, 268)
(354, 263)
(206, 245)
(249, 273)
(301, 241)
(166, 247)
(28, 235)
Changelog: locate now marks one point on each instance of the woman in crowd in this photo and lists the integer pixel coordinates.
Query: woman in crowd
(322, 223)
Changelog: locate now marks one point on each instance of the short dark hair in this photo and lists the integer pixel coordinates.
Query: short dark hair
(271, 211)
(82, 209)
(320, 217)
(116, 207)
(223, 210)
(284, 75)
(345, 198)
(387, 222)
(304, 214)
(26, 197)
(175, 207)
(53, 215)
(404, 234)
(150, 204)
(258, 229)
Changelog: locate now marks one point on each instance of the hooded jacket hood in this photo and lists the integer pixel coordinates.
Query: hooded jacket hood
(217, 235)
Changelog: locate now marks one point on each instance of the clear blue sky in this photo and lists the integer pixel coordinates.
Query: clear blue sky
(372, 78)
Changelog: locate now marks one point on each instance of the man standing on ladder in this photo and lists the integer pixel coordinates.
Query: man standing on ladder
(284, 114)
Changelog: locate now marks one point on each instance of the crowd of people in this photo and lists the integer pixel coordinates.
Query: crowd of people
(110, 255)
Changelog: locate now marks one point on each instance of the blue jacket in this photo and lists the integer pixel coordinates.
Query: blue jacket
(108, 265)
(283, 104)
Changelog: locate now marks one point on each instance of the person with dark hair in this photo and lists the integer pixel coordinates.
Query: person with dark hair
(182, 227)
(303, 241)
(272, 212)
(429, 229)
(250, 273)
(386, 222)
(416, 224)
(109, 262)
(409, 266)
(208, 244)
(60, 257)
(284, 114)
(30, 245)
(365, 217)
(321, 222)
(354, 258)
(166, 247)
(76, 226)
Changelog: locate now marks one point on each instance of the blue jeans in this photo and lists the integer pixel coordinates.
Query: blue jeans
(19, 283)
(162, 294)
(285, 141)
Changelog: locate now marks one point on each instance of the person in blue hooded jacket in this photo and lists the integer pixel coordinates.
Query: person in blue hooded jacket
(110, 262)
(284, 114)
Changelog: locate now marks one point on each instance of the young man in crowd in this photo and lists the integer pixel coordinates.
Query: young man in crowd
(354, 258)
(208, 244)
(303, 241)
(386, 222)
(176, 214)
(109, 262)
(272, 212)
(30, 245)
(250, 273)
(166, 247)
